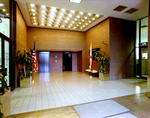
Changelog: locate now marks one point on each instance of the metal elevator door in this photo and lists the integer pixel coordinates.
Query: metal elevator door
(44, 62)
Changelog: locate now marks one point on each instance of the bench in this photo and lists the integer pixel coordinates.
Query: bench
(94, 72)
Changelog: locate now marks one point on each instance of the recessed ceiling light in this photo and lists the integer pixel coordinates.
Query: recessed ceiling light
(76, 1)
(43, 6)
(4, 10)
(89, 14)
(43, 11)
(75, 19)
(59, 17)
(70, 15)
(7, 14)
(1, 4)
(32, 5)
(34, 23)
(48, 24)
(72, 11)
(78, 16)
(97, 15)
(81, 13)
(53, 9)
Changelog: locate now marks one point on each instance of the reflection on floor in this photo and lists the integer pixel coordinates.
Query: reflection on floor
(53, 90)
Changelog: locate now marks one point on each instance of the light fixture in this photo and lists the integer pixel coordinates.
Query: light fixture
(97, 15)
(69, 15)
(81, 13)
(1, 4)
(34, 23)
(55, 17)
(89, 14)
(32, 5)
(53, 9)
(76, 1)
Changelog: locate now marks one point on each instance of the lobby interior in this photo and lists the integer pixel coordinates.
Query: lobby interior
(57, 89)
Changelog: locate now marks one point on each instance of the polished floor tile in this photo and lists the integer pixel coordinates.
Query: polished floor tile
(53, 90)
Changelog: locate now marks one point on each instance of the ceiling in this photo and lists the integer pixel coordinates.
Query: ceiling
(100, 7)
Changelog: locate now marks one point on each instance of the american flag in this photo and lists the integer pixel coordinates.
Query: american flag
(90, 60)
(35, 66)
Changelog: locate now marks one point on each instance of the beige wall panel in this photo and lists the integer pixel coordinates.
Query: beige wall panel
(56, 61)
(74, 61)
(95, 36)
(57, 40)
(21, 31)
(122, 35)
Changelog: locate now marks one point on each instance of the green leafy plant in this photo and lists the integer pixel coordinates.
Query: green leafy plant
(25, 60)
(3, 85)
(104, 61)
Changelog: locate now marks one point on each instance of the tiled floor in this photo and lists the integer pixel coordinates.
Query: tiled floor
(139, 105)
(52, 90)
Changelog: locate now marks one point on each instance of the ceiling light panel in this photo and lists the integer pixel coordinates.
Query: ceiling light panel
(42, 15)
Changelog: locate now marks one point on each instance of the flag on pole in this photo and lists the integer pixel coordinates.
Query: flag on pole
(35, 66)
(90, 60)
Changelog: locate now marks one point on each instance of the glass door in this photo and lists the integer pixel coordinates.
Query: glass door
(141, 48)
(144, 62)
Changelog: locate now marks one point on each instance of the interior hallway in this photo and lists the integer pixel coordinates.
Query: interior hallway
(53, 90)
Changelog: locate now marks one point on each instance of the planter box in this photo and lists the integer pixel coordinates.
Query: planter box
(104, 77)
(26, 82)
(5, 100)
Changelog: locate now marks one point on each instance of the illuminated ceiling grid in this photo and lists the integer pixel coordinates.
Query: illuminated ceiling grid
(41, 15)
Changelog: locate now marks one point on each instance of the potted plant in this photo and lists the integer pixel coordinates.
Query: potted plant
(3, 86)
(103, 64)
(25, 61)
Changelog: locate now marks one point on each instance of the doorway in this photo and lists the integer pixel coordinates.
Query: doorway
(67, 61)
(44, 62)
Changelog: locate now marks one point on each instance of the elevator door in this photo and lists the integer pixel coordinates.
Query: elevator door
(44, 62)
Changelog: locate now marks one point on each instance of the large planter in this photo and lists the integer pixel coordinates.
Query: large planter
(5, 100)
(26, 82)
(104, 77)
(148, 86)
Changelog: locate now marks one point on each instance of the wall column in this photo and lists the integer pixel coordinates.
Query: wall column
(148, 79)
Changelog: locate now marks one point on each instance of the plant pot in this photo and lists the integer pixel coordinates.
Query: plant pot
(148, 86)
(104, 77)
(26, 82)
(5, 100)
